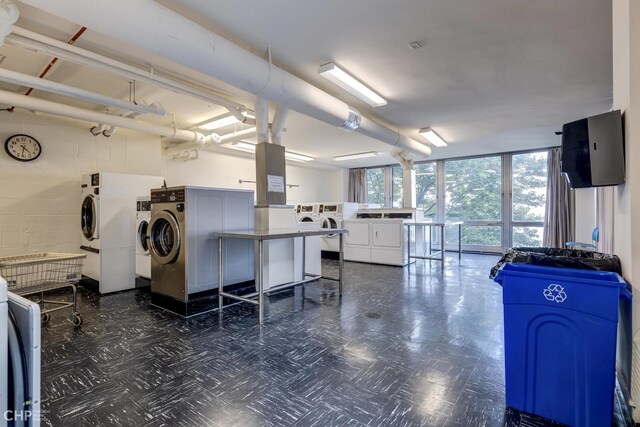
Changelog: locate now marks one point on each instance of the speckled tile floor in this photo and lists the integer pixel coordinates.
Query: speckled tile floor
(434, 357)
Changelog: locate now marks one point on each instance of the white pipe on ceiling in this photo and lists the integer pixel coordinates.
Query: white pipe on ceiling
(73, 92)
(46, 45)
(155, 28)
(279, 118)
(9, 14)
(35, 104)
(262, 119)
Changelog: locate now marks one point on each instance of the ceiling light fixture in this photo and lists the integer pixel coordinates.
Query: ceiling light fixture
(356, 156)
(346, 81)
(297, 157)
(238, 133)
(251, 148)
(223, 120)
(433, 137)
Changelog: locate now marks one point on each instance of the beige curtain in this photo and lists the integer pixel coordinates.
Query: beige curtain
(559, 213)
(358, 185)
(604, 218)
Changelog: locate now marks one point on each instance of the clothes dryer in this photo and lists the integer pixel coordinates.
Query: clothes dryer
(331, 216)
(143, 216)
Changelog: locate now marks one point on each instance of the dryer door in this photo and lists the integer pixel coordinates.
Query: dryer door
(306, 219)
(89, 217)
(329, 223)
(142, 237)
(164, 238)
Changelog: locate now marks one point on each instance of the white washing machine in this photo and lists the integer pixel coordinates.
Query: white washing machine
(143, 217)
(108, 215)
(184, 271)
(331, 216)
(308, 212)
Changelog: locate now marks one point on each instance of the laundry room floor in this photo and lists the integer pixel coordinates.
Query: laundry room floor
(402, 347)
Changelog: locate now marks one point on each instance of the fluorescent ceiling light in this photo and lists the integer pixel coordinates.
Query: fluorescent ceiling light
(433, 137)
(356, 156)
(346, 81)
(297, 157)
(251, 148)
(223, 120)
(235, 134)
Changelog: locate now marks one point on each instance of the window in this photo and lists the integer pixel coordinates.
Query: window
(396, 186)
(426, 190)
(375, 186)
(528, 197)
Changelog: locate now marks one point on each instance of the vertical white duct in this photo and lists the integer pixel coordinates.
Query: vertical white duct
(152, 27)
(277, 126)
(262, 119)
(9, 14)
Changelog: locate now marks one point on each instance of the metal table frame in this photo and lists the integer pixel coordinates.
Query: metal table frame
(260, 237)
(439, 255)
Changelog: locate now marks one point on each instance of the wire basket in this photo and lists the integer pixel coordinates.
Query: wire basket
(27, 274)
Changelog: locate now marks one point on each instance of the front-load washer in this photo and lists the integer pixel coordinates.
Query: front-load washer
(108, 217)
(184, 270)
(307, 212)
(143, 216)
(332, 216)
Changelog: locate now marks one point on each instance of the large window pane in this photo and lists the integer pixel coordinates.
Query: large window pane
(375, 186)
(396, 186)
(529, 182)
(426, 189)
(473, 189)
(527, 236)
(482, 235)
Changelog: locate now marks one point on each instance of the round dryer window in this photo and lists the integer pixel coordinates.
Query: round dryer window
(306, 219)
(89, 217)
(164, 238)
(329, 223)
(143, 238)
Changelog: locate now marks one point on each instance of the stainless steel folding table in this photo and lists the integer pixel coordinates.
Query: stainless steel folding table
(438, 255)
(260, 236)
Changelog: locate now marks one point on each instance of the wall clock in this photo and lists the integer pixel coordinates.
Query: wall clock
(22, 147)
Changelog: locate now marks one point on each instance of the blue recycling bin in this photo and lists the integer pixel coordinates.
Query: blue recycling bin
(560, 329)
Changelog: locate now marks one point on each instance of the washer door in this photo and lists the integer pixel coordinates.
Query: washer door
(89, 217)
(329, 223)
(142, 237)
(164, 238)
(306, 219)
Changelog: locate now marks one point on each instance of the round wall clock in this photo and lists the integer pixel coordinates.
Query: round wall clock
(22, 147)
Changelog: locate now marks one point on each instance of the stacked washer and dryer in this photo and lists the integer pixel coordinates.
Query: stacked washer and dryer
(108, 221)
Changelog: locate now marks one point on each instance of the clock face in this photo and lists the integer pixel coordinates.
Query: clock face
(22, 147)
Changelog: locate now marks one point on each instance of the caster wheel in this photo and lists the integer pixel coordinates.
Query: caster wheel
(46, 317)
(77, 320)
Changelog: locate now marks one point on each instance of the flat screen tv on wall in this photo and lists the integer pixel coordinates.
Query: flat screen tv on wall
(593, 151)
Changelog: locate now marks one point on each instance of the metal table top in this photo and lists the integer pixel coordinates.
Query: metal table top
(435, 224)
(281, 233)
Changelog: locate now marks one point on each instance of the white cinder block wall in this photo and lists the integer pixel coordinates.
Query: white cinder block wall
(40, 200)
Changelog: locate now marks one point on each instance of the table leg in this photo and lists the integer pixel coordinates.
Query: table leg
(341, 263)
(442, 244)
(459, 242)
(220, 275)
(430, 240)
(304, 258)
(260, 282)
(409, 246)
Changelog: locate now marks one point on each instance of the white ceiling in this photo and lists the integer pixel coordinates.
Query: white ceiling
(492, 76)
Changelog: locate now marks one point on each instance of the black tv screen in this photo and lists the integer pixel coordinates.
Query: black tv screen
(593, 151)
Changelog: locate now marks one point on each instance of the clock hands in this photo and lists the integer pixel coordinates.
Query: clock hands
(25, 149)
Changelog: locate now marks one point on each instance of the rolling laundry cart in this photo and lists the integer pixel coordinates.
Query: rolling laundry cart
(35, 274)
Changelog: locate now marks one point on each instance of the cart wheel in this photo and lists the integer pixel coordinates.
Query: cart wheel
(45, 317)
(77, 320)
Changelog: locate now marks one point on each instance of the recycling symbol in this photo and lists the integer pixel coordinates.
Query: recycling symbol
(555, 293)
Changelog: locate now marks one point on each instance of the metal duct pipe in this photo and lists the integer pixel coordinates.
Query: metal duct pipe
(97, 130)
(46, 45)
(407, 164)
(155, 28)
(55, 108)
(9, 14)
(218, 139)
(279, 118)
(262, 119)
(72, 92)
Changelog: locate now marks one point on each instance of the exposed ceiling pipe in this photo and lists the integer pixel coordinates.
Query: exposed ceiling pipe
(52, 47)
(131, 114)
(55, 108)
(221, 139)
(407, 164)
(96, 130)
(279, 118)
(262, 119)
(9, 14)
(155, 28)
(73, 92)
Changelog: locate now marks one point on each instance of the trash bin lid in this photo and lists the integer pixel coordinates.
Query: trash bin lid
(572, 274)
